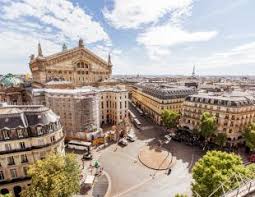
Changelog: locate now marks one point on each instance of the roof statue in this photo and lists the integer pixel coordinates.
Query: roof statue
(109, 59)
(64, 47)
(81, 44)
(40, 50)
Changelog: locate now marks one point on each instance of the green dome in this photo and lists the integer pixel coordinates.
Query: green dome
(10, 80)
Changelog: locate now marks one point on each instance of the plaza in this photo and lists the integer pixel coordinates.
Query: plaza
(128, 176)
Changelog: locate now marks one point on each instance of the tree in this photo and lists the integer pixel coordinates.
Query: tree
(170, 118)
(221, 139)
(249, 137)
(208, 125)
(215, 168)
(180, 195)
(54, 176)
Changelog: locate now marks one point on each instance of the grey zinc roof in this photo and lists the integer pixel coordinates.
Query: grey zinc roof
(165, 91)
(24, 116)
(225, 100)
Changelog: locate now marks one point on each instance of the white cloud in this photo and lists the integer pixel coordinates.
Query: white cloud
(15, 49)
(67, 19)
(134, 13)
(169, 35)
(240, 55)
(158, 40)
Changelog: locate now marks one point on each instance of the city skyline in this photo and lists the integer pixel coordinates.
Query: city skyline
(150, 38)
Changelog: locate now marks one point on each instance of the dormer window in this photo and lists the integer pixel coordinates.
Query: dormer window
(39, 130)
(20, 133)
(6, 134)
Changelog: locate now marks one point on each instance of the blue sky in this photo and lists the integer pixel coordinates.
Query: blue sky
(143, 36)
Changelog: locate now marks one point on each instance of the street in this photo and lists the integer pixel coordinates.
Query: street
(129, 177)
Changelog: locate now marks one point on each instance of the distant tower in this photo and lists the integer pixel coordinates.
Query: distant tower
(109, 60)
(194, 71)
(81, 44)
(64, 47)
(40, 50)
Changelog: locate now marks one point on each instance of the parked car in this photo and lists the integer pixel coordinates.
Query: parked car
(123, 142)
(130, 137)
(87, 156)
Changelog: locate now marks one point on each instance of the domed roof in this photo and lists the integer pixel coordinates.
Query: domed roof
(10, 80)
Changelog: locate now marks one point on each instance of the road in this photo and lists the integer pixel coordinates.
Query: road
(131, 178)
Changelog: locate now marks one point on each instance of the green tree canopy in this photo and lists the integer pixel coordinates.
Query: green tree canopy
(221, 139)
(249, 137)
(180, 195)
(208, 125)
(54, 176)
(215, 168)
(170, 118)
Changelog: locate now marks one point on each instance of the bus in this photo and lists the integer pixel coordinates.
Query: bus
(140, 111)
(79, 145)
(132, 116)
(137, 123)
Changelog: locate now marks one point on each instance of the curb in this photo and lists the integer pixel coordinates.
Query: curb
(108, 192)
(173, 160)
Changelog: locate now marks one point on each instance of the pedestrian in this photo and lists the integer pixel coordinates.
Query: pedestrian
(169, 171)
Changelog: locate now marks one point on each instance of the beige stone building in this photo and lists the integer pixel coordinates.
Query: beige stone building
(27, 134)
(78, 65)
(113, 104)
(234, 112)
(153, 98)
(84, 110)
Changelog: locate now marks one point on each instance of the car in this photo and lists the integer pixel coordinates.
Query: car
(123, 142)
(168, 137)
(252, 158)
(130, 137)
(87, 156)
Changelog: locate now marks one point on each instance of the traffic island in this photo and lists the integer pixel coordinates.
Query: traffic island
(156, 158)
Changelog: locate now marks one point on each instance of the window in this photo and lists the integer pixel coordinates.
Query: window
(8, 147)
(24, 159)
(39, 130)
(1, 175)
(25, 170)
(22, 145)
(20, 133)
(10, 160)
(6, 134)
(13, 173)
(52, 138)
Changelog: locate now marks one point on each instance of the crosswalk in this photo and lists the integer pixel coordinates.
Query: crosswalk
(100, 187)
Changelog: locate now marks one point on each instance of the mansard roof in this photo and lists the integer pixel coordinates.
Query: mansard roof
(25, 116)
(230, 100)
(165, 91)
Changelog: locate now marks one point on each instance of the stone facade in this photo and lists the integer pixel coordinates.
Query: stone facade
(234, 112)
(154, 98)
(78, 65)
(83, 110)
(113, 105)
(27, 134)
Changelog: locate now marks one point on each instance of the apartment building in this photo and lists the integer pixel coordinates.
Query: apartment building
(153, 98)
(234, 112)
(27, 134)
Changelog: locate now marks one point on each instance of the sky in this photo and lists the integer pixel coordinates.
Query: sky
(146, 37)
